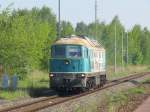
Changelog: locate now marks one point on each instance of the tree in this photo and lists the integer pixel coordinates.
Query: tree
(25, 39)
(66, 29)
(145, 46)
(135, 53)
(81, 29)
(109, 40)
(26, 36)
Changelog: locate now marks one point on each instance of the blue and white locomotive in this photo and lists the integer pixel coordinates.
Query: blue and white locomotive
(77, 62)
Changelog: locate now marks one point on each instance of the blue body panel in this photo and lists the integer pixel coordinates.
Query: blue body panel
(70, 65)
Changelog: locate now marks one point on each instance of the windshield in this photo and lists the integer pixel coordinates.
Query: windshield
(74, 51)
(58, 51)
(63, 51)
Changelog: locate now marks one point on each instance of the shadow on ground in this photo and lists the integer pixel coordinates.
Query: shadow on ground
(41, 92)
(135, 82)
(146, 82)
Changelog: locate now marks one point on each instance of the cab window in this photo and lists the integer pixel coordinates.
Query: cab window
(58, 51)
(74, 51)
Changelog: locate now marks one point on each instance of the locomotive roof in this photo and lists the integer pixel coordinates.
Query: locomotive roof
(79, 40)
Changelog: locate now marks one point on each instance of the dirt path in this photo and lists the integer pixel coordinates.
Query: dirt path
(145, 107)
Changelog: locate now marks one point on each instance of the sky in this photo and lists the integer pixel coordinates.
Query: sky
(130, 12)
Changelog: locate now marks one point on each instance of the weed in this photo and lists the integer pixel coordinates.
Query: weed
(37, 79)
(11, 95)
(120, 100)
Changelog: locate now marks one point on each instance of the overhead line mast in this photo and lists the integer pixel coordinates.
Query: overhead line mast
(122, 50)
(115, 48)
(127, 50)
(96, 19)
(59, 27)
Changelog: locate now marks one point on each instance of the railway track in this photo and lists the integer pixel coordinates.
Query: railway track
(55, 100)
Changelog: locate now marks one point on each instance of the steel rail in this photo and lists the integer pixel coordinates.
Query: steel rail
(58, 100)
(26, 104)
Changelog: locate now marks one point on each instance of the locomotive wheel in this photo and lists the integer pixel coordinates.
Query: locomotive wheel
(102, 80)
(90, 83)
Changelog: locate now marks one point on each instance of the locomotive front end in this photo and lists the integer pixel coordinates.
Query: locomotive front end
(67, 66)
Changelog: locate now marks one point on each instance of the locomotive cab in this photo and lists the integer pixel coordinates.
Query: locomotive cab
(68, 58)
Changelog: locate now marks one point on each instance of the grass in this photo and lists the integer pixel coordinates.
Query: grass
(86, 108)
(12, 95)
(121, 99)
(40, 79)
(148, 68)
(36, 79)
(121, 72)
(147, 81)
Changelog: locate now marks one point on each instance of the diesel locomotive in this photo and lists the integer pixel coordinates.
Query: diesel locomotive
(77, 62)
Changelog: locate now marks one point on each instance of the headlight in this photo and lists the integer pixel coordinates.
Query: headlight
(51, 75)
(66, 62)
(82, 75)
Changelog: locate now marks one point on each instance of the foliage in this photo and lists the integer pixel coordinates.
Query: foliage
(66, 29)
(126, 71)
(81, 29)
(36, 80)
(120, 100)
(26, 36)
(12, 95)
(146, 81)
(138, 41)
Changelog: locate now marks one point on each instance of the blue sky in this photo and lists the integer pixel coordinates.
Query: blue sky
(130, 12)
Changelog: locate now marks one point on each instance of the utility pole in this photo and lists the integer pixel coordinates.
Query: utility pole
(115, 50)
(59, 27)
(122, 52)
(95, 19)
(127, 49)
